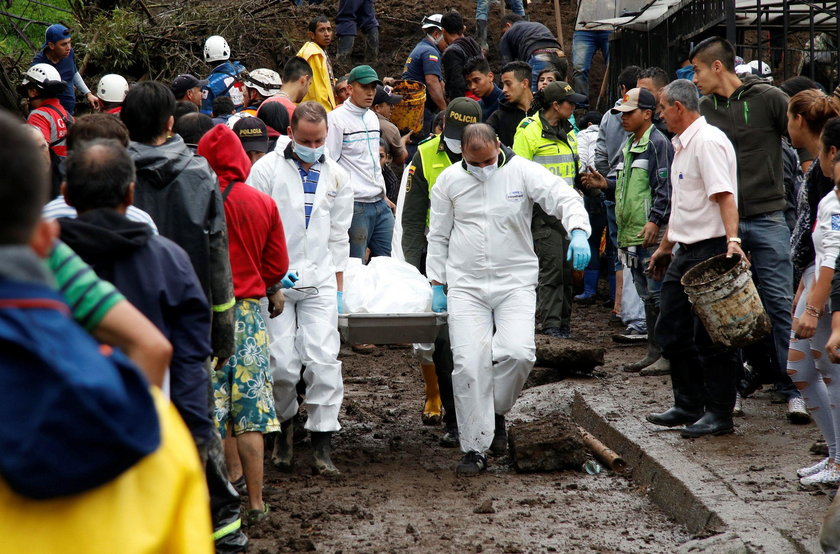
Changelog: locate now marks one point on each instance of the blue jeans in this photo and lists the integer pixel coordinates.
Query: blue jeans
(584, 46)
(372, 227)
(482, 8)
(766, 238)
(538, 63)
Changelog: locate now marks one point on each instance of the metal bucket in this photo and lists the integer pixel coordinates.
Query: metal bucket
(408, 114)
(726, 301)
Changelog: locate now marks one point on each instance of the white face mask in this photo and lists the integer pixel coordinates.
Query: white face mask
(453, 145)
(482, 173)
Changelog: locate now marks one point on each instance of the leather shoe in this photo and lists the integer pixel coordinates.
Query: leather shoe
(709, 424)
(674, 417)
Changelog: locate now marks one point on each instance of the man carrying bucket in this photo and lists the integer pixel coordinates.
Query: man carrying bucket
(704, 222)
(423, 65)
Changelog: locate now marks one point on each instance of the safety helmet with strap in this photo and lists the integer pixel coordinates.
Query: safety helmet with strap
(112, 88)
(216, 49)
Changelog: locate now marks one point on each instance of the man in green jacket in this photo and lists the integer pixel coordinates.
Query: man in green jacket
(642, 207)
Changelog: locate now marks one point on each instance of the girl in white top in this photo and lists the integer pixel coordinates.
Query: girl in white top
(808, 365)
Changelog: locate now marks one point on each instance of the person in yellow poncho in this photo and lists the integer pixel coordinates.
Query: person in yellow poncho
(315, 54)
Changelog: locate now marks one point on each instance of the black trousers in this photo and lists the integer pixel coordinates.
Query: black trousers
(703, 374)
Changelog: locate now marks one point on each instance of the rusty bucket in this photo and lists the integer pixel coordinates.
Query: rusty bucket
(724, 296)
(408, 114)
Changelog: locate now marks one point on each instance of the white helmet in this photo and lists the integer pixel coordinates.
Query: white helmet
(761, 69)
(216, 49)
(266, 81)
(432, 21)
(112, 88)
(42, 74)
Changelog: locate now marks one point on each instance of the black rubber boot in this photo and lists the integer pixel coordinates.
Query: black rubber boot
(481, 31)
(719, 379)
(281, 454)
(322, 464)
(372, 47)
(711, 423)
(345, 47)
(499, 445)
(687, 383)
(654, 350)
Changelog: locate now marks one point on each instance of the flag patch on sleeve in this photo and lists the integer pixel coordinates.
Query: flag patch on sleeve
(835, 222)
(433, 57)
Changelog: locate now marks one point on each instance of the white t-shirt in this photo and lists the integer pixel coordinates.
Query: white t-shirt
(826, 234)
(704, 165)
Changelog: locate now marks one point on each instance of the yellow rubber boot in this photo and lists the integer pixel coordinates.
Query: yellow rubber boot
(432, 407)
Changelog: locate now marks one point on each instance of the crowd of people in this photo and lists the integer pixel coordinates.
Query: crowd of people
(191, 237)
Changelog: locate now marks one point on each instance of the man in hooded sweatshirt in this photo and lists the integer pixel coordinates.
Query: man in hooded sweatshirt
(259, 260)
(95, 457)
(753, 114)
(460, 48)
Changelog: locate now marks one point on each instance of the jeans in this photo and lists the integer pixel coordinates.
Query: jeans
(541, 61)
(647, 288)
(766, 238)
(584, 46)
(372, 227)
(702, 373)
(482, 8)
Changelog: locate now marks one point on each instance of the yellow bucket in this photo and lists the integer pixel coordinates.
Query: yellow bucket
(408, 114)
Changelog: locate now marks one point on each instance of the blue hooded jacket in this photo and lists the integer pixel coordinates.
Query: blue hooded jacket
(221, 82)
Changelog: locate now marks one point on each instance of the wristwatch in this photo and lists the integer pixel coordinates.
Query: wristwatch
(734, 239)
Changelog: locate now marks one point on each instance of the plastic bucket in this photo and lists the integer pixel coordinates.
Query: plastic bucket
(725, 299)
(408, 114)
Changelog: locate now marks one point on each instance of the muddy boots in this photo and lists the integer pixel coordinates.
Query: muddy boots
(653, 363)
(321, 445)
(500, 440)
(281, 455)
(481, 31)
(432, 407)
(345, 48)
(687, 382)
(372, 47)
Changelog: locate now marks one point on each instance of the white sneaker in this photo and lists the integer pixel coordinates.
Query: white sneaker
(828, 476)
(738, 410)
(797, 413)
(812, 470)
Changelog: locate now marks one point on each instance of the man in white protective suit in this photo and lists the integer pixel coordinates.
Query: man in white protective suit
(316, 206)
(480, 247)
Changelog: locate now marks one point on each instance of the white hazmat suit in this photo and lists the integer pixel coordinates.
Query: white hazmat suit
(480, 246)
(306, 333)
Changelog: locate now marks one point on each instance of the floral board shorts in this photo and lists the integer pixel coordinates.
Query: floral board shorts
(242, 389)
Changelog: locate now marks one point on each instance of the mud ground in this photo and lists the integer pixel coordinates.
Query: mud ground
(399, 491)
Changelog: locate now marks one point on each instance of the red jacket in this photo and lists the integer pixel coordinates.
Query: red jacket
(257, 244)
(51, 119)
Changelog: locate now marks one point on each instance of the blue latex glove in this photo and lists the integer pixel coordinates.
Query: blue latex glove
(438, 299)
(289, 280)
(579, 250)
(341, 302)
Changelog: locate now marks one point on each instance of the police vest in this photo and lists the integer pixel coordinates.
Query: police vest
(434, 162)
(559, 157)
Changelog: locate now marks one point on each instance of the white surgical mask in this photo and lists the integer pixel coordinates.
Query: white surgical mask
(308, 155)
(482, 173)
(453, 145)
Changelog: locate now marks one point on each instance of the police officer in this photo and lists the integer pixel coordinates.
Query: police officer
(549, 139)
(432, 157)
(423, 65)
(226, 79)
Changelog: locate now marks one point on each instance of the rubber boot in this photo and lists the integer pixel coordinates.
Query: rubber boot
(372, 48)
(432, 407)
(719, 380)
(345, 47)
(590, 286)
(321, 446)
(687, 383)
(481, 30)
(654, 354)
(499, 445)
(281, 454)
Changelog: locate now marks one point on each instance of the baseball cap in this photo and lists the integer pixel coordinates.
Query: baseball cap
(55, 33)
(385, 94)
(363, 74)
(432, 21)
(636, 99)
(460, 113)
(253, 134)
(557, 91)
(182, 83)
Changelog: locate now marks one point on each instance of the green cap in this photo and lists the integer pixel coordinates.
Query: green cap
(363, 74)
(459, 113)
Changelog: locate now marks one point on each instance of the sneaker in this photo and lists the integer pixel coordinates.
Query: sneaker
(450, 438)
(630, 336)
(814, 469)
(796, 412)
(557, 332)
(472, 463)
(828, 476)
(738, 409)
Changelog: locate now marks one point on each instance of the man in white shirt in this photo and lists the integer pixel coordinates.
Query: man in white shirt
(353, 143)
(704, 222)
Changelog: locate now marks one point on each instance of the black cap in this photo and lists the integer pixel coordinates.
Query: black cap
(384, 94)
(182, 83)
(253, 134)
(558, 91)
